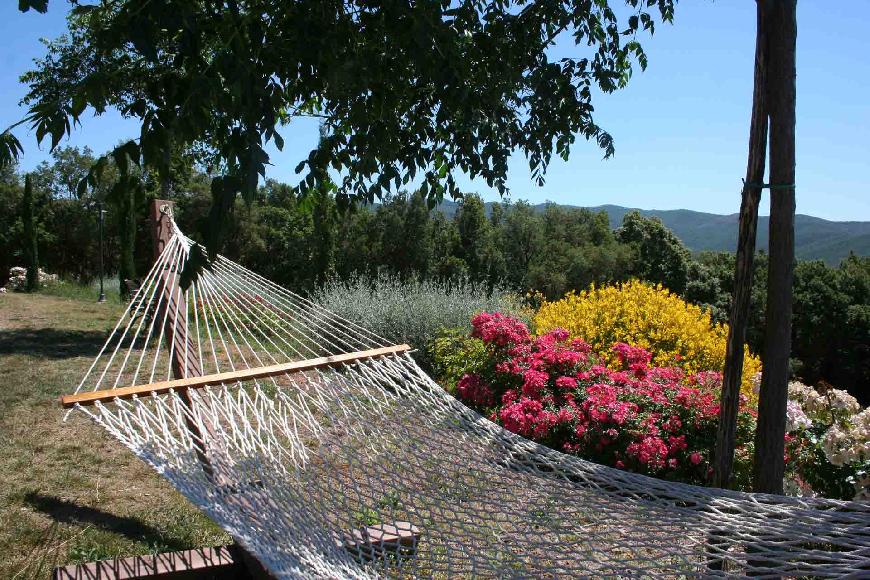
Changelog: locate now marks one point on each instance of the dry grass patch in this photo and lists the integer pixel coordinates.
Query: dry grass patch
(68, 491)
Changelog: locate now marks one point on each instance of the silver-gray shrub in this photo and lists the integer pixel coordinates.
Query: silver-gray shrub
(413, 311)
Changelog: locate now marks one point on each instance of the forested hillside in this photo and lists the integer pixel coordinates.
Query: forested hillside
(815, 238)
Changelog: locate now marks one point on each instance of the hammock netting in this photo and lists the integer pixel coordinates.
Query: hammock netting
(312, 472)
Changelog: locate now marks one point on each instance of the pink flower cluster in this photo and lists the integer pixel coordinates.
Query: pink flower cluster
(498, 329)
(472, 390)
(553, 390)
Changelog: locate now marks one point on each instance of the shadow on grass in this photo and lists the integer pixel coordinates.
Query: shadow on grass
(51, 342)
(132, 528)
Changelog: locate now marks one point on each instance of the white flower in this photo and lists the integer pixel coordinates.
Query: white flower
(795, 418)
(843, 401)
(834, 444)
(861, 432)
(18, 278)
(862, 487)
(813, 404)
(849, 443)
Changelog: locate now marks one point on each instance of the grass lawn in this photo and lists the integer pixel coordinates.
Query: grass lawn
(68, 491)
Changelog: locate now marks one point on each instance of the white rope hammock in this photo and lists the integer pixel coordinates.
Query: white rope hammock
(362, 466)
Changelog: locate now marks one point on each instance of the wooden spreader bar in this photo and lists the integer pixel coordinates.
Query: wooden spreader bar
(92, 397)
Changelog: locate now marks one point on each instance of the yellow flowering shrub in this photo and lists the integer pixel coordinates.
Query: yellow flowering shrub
(675, 332)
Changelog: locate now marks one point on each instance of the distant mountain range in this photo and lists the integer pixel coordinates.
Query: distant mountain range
(815, 238)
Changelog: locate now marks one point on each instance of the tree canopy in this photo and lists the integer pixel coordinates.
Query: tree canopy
(407, 91)
(663, 258)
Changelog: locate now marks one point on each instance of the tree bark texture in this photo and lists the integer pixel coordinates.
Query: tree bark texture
(781, 96)
(739, 316)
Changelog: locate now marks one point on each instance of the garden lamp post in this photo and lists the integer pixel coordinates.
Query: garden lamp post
(102, 297)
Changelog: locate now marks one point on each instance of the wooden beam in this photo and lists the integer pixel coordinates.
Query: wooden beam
(377, 541)
(233, 562)
(223, 562)
(92, 397)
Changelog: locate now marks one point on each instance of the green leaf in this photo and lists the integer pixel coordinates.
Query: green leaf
(10, 149)
(124, 154)
(82, 9)
(82, 187)
(140, 38)
(40, 6)
(196, 262)
(121, 160)
(79, 102)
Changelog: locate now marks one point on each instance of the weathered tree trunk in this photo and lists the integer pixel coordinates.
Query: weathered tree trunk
(781, 97)
(30, 239)
(739, 317)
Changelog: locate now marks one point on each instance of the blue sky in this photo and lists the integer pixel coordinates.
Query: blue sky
(680, 128)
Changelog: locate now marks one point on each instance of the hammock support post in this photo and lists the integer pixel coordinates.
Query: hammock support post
(184, 362)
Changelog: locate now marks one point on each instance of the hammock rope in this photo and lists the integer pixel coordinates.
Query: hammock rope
(365, 467)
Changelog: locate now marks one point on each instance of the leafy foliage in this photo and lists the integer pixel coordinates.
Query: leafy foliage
(10, 149)
(662, 257)
(831, 324)
(412, 311)
(578, 249)
(830, 321)
(405, 90)
(455, 353)
(11, 238)
(38, 5)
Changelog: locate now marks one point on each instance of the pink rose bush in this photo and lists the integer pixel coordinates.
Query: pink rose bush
(634, 416)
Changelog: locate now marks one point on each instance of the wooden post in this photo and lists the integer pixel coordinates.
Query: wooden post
(769, 465)
(173, 307)
(738, 320)
(723, 455)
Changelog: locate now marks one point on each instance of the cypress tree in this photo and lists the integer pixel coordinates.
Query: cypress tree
(126, 204)
(31, 251)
